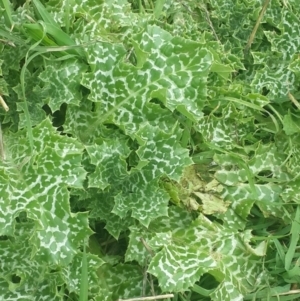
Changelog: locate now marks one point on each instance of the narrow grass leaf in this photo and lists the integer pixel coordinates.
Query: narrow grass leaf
(159, 4)
(7, 13)
(280, 249)
(84, 283)
(43, 13)
(295, 231)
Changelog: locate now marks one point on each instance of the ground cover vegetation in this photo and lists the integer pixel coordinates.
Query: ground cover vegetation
(149, 148)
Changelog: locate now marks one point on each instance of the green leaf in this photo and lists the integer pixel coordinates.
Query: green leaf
(161, 155)
(138, 201)
(223, 70)
(177, 78)
(99, 18)
(122, 281)
(34, 95)
(162, 152)
(290, 126)
(79, 122)
(231, 129)
(38, 185)
(207, 248)
(72, 274)
(62, 82)
(109, 156)
(294, 240)
(162, 84)
(176, 219)
(276, 76)
(22, 274)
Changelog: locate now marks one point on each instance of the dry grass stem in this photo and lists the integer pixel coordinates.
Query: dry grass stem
(253, 33)
(146, 246)
(294, 100)
(292, 292)
(2, 152)
(3, 104)
(203, 7)
(149, 298)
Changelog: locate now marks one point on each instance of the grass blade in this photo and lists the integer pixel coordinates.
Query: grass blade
(280, 249)
(295, 231)
(43, 13)
(67, 16)
(53, 29)
(22, 80)
(7, 13)
(159, 4)
(84, 277)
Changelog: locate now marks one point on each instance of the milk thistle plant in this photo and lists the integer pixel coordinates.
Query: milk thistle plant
(149, 150)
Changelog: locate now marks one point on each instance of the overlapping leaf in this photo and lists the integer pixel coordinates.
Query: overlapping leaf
(110, 159)
(62, 82)
(34, 96)
(20, 266)
(101, 206)
(233, 22)
(175, 72)
(266, 163)
(38, 185)
(145, 85)
(277, 76)
(25, 277)
(79, 122)
(71, 274)
(94, 19)
(160, 154)
(227, 131)
(176, 220)
(205, 247)
(121, 281)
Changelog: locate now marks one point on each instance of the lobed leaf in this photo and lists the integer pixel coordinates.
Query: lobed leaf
(204, 247)
(175, 72)
(37, 184)
(62, 82)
